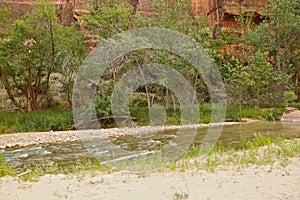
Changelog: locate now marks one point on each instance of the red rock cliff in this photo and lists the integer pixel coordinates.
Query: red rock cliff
(69, 9)
(219, 12)
(222, 12)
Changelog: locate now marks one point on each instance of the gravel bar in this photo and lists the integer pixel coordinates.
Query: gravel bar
(36, 138)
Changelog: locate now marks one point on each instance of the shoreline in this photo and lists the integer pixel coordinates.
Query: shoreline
(266, 181)
(54, 137)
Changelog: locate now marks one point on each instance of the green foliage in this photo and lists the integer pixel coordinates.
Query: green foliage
(33, 173)
(237, 112)
(108, 18)
(173, 15)
(294, 105)
(42, 120)
(4, 168)
(250, 79)
(233, 112)
(256, 83)
(103, 98)
(257, 63)
(259, 141)
(47, 120)
(283, 18)
(289, 97)
(36, 47)
(142, 116)
(4, 18)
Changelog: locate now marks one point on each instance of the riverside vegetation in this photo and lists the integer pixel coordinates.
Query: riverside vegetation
(55, 120)
(259, 65)
(257, 68)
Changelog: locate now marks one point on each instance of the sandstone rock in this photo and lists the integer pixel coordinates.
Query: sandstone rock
(69, 10)
(9, 145)
(291, 115)
(219, 12)
(97, 180)
(222, 12)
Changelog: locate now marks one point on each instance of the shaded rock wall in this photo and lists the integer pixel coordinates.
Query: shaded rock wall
(70, 10)
(219, 12)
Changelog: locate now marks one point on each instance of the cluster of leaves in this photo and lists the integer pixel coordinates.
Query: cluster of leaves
(255, 83)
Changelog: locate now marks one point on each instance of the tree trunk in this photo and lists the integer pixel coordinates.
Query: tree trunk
(173, 100)
(9, 92)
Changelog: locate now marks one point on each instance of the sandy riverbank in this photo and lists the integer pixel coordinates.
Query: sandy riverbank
(227, 184)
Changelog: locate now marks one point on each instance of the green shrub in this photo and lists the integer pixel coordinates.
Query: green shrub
(289, 97)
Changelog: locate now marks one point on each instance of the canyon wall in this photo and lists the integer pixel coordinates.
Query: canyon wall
(223, 12)
(219, 12)
(70, 10)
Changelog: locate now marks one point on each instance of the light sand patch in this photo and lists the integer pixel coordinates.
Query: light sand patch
(248, 183)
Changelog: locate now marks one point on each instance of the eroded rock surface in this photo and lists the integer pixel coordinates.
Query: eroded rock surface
(70, 10)
(219, 12)
(291, 115)
(222, 12)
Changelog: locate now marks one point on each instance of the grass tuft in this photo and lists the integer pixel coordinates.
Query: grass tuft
(4, 168)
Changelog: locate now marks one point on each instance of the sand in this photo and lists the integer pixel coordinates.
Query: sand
(253, 182)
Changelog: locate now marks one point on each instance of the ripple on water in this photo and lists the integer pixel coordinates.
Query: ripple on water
(25, 155)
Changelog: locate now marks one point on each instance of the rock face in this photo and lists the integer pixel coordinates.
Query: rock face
(69, 10)
(291, 115)
(222, 12)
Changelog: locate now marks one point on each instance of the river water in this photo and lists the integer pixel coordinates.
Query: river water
(69, 153)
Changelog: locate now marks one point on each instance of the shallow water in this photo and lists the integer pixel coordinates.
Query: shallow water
(70, 153)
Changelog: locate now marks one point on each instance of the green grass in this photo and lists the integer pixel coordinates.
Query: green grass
(47, 120)
(295, 105)
(263, 150)
(259, 141)
(42, 120)
(233, 112)
(237, 112)
(87, 165)
(4, 168)
(180, 196)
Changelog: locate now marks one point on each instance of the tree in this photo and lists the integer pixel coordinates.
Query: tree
(108, 17)
(32, 51)
(256, 83)
(279, 35)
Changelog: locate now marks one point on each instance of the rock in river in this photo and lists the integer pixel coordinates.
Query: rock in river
(291, 115)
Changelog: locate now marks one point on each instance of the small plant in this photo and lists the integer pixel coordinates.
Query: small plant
(181, 196)
(4, 168)
(259, 141)
(289, 97)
